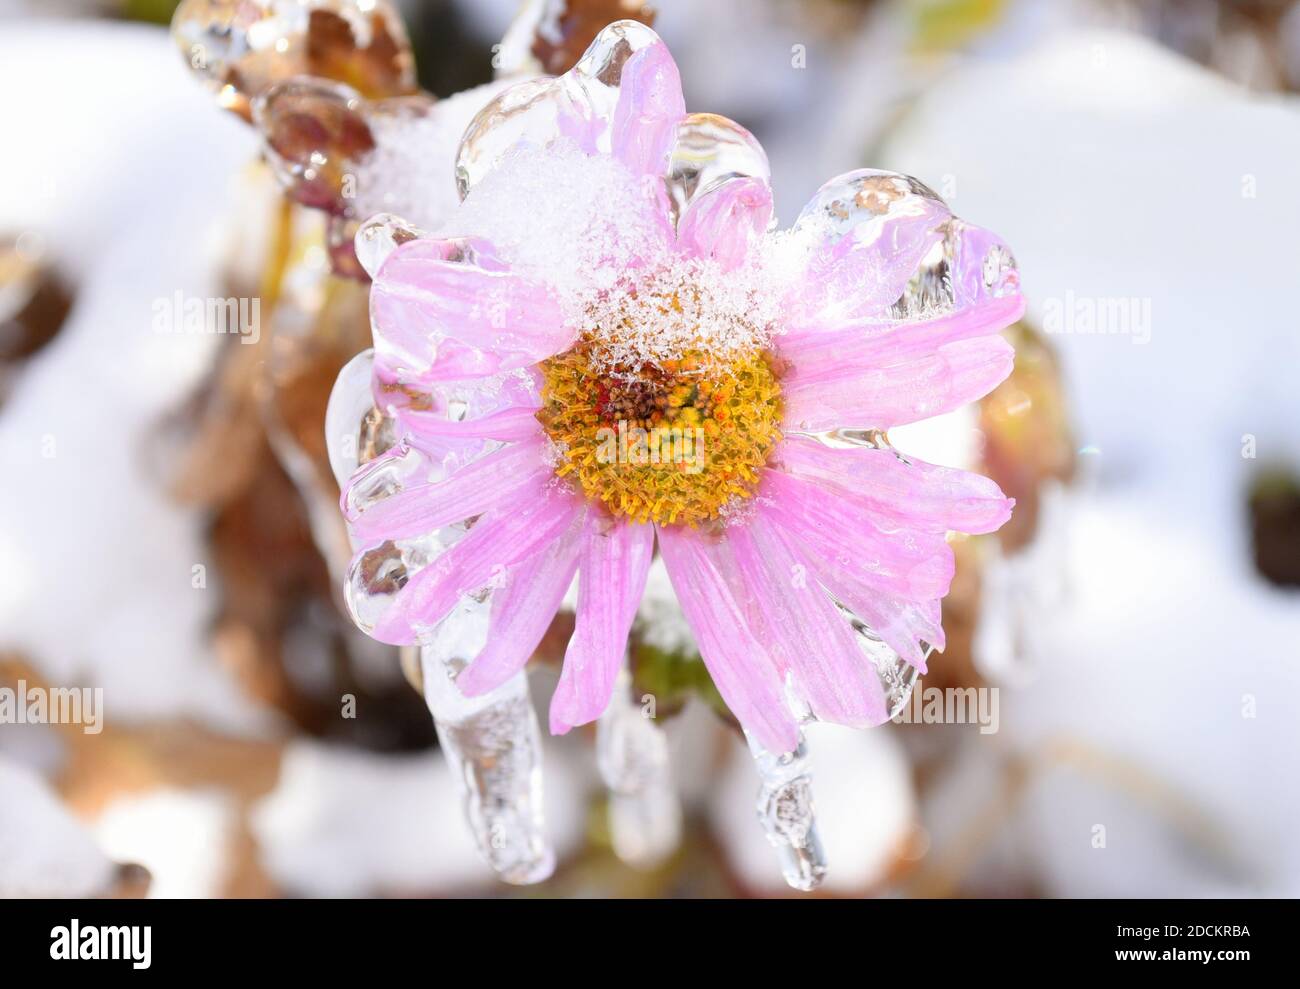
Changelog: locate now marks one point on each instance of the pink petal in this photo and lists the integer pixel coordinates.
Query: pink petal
(724, 222)
(862, 272)
(421, 507)
(915, 493)
(911, 564)
(508, 425)
(650, 105)
(879, 398)
(744, 673)
(522, 611)
(901, 623)
(450, 309)
(615, 559)
(874, 344)
(497, 541)
(805, 633)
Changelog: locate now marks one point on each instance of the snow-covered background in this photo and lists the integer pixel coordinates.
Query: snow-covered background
(1163, 714)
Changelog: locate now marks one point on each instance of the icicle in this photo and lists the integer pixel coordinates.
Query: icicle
(785, 809)
(493, 745)
(645, 816)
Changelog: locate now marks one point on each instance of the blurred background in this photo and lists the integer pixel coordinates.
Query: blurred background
(1129, 643)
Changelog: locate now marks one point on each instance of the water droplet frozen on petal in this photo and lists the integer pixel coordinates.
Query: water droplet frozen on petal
(897, 676)
(379, 571)
(242, 47)
(709, 150)
(356, 431)
(373, 580)
(549, 36)
(379, 236)
(786, 813)
(578, 106)
(645, 816)
(392, 473)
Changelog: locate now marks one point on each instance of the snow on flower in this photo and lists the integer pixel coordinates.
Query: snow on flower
(607, 349)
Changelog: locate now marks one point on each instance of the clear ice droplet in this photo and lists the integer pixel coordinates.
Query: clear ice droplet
(379, 236)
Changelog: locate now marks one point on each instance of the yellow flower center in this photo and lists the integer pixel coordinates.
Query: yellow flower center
(673, 441)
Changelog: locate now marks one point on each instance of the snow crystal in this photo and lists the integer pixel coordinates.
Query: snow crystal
(412, 170)
(600, 239)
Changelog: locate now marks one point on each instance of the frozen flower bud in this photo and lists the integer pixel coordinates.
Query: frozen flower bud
(242, 47)
(315, 134)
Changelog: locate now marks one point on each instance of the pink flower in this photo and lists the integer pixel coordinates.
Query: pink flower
(606, 349)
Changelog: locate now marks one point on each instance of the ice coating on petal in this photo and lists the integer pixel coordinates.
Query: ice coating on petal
(611, 578)
(455, 420)
(497, 541)
(379, 236)
(385, 562)
(508, 425)
(650, 103)
(866, 232)
(886, 343)
(879, 398)
(724, 223)
(742, 671)
(911, 564)
(622, 98)
(530, 114)
(424, 506)
(968, 267)
(451, 308)
(355, 430)
(917, 494)
(907, 627)
(522, 610)
(806, 635)
(378, 573)
(710, 149)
